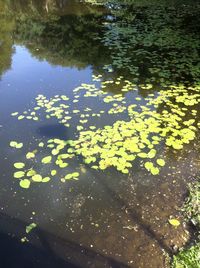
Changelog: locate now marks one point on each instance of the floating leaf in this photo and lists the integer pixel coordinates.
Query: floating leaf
(13, 144)
(14, 114)
(25, 183)
(46, 179)
(55, 152)
(154, 171)
(19, 174)
(46, 160)
(41, 144)
(160, 162)
(19, 145)
(37, 178)
(31, 173)
(63, 165)
(53, 172)
(174, 222)
(20, 117)
(19, 165)
(68, 176)
(30, 155)
(148, 165)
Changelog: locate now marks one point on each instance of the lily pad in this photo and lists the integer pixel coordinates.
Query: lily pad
(160, 162)
(174, 222)
(31, 173)
(37, 178)
(25, 183)
(46, 160)
(19, 165)
(19, 174)
(53, 172)
(46, 179)
(30, 155)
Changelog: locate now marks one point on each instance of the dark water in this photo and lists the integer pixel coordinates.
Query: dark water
(106, 218)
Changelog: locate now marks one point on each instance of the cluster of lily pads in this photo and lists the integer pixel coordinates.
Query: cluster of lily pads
(154, 43)
(167, 118)
(26, 172)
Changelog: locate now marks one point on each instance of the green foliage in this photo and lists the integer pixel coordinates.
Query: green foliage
(190, 257)
(187, 258)
(6, 42)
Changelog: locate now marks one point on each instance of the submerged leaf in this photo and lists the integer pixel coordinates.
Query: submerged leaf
(30, 227)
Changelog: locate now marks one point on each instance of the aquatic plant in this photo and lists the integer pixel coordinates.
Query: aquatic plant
(163, 120)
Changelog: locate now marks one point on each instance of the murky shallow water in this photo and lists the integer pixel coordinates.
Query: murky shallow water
(106, 218)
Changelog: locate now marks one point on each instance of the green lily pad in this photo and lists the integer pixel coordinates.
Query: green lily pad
(30, 155)
(25, 183)
(19, 165)
(46, 179)
(13, 144)
(148, 165)
(37, 178)
(41, 144)
(68, 176)
(16, 145)
(160, 162)
(155, 171)
(53, 172)
(174, 222)
(19, 174)
(31, 173)
(46, 160)
(19, 145)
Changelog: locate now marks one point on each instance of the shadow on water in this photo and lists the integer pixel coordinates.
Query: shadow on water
(52, 251)
(14, 254)
(136, 218)
(53, 131)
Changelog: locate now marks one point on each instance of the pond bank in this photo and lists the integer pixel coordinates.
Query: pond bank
(190, 256)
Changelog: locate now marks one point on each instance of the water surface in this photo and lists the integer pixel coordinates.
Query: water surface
(106, 218)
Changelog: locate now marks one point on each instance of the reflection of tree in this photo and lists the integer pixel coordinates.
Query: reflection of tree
(42, 7)
(66, 40)
(155, 43)
(147, 43)
(6, 42)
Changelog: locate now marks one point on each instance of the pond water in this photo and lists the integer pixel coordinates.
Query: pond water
(99, 131)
